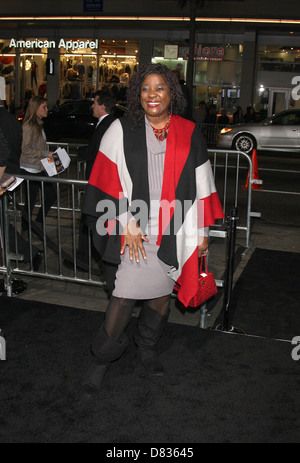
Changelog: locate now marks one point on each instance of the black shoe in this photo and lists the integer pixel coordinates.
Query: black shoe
(37, 260)
(151, 363)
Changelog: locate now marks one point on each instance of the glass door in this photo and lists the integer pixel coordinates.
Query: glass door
(279, 100)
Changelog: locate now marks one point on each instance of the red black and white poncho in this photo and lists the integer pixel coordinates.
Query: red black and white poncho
(120, 176)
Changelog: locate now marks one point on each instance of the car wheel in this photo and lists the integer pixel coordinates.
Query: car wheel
(244, 142)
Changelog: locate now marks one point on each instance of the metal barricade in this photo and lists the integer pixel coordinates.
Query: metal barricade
(230, 163)
(56, 237)
(210, 132)
(76, 170)
(59, 233)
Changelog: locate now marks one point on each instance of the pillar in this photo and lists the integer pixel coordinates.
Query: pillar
(248, 70)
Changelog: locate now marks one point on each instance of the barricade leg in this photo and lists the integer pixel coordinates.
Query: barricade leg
(229, 277)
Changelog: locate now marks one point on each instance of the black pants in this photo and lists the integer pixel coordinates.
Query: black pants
(34, 188)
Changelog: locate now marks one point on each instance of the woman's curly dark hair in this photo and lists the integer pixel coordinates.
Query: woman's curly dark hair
(135, 109)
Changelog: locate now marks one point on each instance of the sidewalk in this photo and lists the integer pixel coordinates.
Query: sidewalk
(263, 235)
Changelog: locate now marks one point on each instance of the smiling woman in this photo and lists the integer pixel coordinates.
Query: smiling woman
(155, 100)
(150, 165)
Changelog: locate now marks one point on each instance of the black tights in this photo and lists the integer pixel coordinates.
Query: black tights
(119, 312)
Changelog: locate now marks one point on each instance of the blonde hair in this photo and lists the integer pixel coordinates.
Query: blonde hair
(30, 118)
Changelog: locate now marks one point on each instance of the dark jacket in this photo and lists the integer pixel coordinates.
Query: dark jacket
(12, 131)
(89, 153)
(4, 150)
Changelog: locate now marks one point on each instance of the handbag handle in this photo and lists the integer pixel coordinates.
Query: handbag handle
(177, 286)
(203, 258)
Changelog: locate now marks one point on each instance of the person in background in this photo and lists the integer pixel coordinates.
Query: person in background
(10, 136)
(104, 111)
(148, 160)
(238, 116)
(250, 115)
(12, 131)
(10, 151)
(187, 113)
(201, 112)
(33, 73)
(223, 120)
(4, 152)
(211, 117)
(34, 149)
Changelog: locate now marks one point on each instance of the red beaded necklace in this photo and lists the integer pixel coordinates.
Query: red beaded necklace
(161, 134)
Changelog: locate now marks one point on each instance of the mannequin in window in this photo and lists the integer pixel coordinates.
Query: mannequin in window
(33, 73)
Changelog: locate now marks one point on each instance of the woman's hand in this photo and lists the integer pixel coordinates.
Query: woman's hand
(203, 247)
(133, 238)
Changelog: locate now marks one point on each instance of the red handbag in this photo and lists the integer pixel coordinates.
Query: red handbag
(206, 286)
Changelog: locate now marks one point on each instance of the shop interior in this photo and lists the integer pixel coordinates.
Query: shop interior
(80, 74)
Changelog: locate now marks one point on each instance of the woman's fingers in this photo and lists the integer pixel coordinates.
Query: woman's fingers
(133, 238)
(203, 247)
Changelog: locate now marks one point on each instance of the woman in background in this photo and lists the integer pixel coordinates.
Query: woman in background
(34, 149)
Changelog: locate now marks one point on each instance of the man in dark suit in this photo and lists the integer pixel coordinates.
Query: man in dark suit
(104, 110)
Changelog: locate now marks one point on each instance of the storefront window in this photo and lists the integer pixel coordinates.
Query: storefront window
(276, 66)
(84, 70)
(177, 63)
(217, 72)
(84, 66)
(31, 74)
(279, 58)
(269, 101)
(7, 70)
(217, 76)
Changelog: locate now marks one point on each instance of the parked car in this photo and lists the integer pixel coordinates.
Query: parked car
(281, 132)
(72, 120)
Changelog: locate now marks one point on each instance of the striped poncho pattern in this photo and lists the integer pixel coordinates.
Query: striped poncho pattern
(120, 176)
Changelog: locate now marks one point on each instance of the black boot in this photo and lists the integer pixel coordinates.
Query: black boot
(104, 350)
(149, 330)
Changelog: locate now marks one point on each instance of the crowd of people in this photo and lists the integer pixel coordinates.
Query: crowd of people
(207, 114)
(154, 157)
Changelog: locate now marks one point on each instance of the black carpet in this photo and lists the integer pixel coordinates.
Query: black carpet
(266, 298)
(218, 387)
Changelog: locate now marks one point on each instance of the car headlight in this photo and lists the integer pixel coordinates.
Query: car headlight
(226, 130)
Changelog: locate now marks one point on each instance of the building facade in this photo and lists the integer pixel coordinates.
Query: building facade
(240, 59)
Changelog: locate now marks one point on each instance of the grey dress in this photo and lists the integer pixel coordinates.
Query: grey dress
(149, 278)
